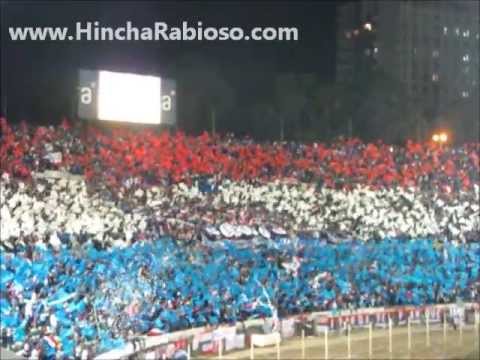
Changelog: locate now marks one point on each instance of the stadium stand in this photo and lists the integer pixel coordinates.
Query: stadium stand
(110, 235)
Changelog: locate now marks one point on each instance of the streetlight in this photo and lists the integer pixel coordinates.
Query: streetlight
(440, 137)
(367, 26)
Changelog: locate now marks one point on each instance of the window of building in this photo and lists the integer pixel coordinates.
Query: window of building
(466, 58)
(457, 31)
(435, 53)
(434, 77)
(367, 26)
(445, 30)
(348, 34)
(466, 33)
(465, 94)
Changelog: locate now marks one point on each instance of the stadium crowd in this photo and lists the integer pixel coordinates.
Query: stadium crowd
(142, 183)
(62, 211)
(63, 303)
(116, 241)
(117, 156)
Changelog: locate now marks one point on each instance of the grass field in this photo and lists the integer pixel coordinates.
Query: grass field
(456, 346)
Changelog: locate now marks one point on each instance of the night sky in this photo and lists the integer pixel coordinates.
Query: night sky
(39, 78)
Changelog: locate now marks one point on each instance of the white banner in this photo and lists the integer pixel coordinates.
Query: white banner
(262, 340)
(202, 342)
(55, 158)
(236, 342)
(224, 333)
(53, 174)
(288, 328)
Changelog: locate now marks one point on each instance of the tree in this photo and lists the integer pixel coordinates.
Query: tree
(264, 124)
(293, 103)
(203, 92)
(332, 110)
(375, 103)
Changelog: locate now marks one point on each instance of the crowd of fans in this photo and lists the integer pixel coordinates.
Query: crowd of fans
(137, 231)
(150, 158)
(138, 184)
(62, 303)
(62, 211)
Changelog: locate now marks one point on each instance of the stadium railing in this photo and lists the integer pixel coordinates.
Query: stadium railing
(207, 340)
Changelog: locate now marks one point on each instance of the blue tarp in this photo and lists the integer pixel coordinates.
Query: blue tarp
(227, 283)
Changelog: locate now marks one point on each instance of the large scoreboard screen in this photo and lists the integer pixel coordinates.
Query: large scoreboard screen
(124, 97)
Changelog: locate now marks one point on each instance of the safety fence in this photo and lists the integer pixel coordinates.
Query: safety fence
(218, 341)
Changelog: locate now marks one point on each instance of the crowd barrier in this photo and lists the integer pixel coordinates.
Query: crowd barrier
(379, 316)
(208, 340)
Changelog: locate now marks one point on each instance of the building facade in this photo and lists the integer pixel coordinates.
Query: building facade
(430, 47)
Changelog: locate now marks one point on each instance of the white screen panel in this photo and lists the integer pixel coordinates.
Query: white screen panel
(129, 98)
